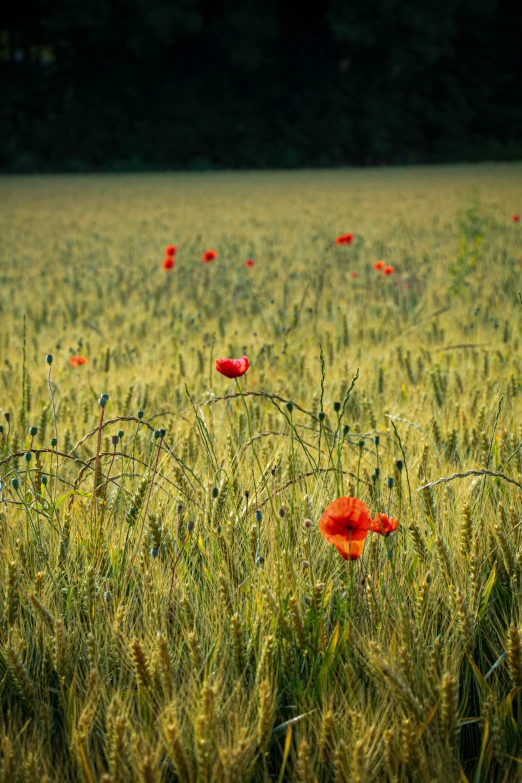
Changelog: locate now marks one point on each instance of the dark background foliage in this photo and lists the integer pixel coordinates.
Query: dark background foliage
(197, 84)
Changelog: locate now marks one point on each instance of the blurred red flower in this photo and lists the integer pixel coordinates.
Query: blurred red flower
(383, 524)
(353, 274)
(232, 368)
(515, 218)
(170, 250)
(379, 265)
(388, 270)
(208, 256)
(249, 262)
(77, 361)
(344, 239)
(168, 262)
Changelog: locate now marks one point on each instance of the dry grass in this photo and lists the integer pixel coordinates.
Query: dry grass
(166, 631)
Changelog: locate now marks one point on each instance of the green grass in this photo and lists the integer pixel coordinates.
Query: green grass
(153, 626)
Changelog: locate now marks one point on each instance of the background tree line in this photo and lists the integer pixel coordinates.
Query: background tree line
(119, 84)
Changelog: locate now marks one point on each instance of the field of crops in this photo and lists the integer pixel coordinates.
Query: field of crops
(170, 608)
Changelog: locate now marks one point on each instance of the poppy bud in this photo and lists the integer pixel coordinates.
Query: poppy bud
(305, 564)
(1, 428)
(337, 407)
(140, 414)
(247, 494)
(399, 464)
(33, 431)
(44, 480)
(49, 358)
(308, 523)
(156, 435)
(218, 530)
(215, 492)
(104, 396)
(54, 442)
(390, 482)
(180, 508)
(28, 456)
(321, 415)
(154, 552)
(361, 444)
(102, 402)
(259, 516)
(376, 440)
(190, 525)
(260, 560)
(114, 440)
(282, 513)
(290, 406)
(120, 434)
(7, 417)
(346, 430)
(163, 433)
(376, 473)
(15, 483)
(427, 578)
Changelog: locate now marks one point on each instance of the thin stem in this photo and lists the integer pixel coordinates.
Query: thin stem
(96, 466)
(55, 431)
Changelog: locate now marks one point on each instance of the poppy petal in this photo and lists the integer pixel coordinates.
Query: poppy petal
(344, 515)
(350, 548)
(383, 524)
(232, 368)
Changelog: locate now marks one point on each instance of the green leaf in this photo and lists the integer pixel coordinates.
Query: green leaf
(487, 591)
(328, 660)
(63, 498)
(279, 730)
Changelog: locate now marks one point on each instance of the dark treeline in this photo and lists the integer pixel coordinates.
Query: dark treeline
(137, 84)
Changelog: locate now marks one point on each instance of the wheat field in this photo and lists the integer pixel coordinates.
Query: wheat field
(169, 610)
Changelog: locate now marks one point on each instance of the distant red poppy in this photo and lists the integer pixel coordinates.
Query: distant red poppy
(515, 218)
(168, 262)
(77, 361)
(250, 262)
(379, 265)
(346, 523)
(170, 250)
(354, 275)
(388, 270)
(208, 256)
(232, 368)
(344, 239)
(383, 524)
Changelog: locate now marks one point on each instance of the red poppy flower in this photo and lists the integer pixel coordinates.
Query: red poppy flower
(170, 250)
(388, 270)
(232, 368)
(208, 256)
(354, 275)
(383, 524)
(515, 218)
(379, 265)
(168, 262)
(77, 361)
(344, 239)
(346, 523)
(249, 263)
